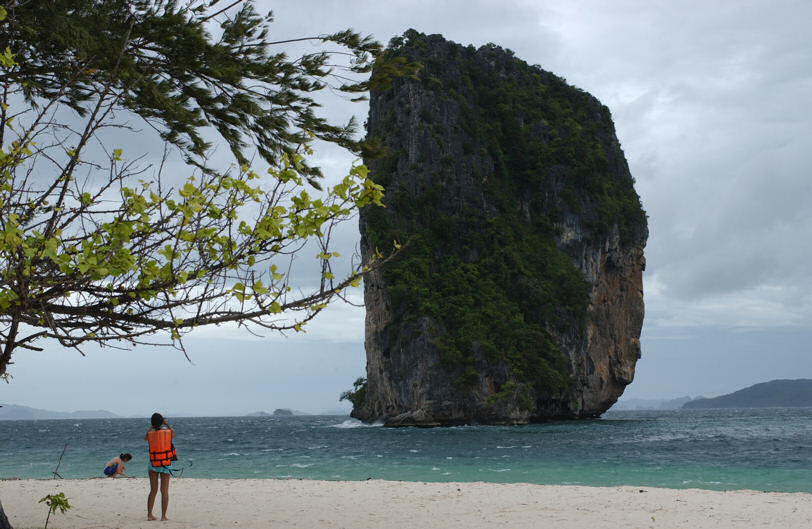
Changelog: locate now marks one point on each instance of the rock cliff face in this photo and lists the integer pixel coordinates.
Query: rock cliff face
(519, 295)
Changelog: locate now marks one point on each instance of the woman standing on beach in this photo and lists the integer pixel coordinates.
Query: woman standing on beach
(161, 452)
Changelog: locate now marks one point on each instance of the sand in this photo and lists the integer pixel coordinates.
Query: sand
(202, 503)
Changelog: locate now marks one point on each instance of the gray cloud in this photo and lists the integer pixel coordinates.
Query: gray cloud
(709, 106)
(711, 103)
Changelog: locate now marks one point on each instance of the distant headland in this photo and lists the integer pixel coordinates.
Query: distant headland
(16, 412)
(774, 394)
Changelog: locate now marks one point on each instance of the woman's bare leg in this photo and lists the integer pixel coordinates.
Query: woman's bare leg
(164, 495)
(153, 490)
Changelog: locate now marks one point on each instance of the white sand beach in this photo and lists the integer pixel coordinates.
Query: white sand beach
(199, 503)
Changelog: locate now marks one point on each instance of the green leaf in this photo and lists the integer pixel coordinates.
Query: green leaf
(56, 502)
(7, 58)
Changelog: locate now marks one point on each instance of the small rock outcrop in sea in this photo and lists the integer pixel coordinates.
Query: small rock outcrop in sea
(518, 297)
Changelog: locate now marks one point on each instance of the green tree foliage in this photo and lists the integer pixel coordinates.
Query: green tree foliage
(162, 60)
(55, 502)
(357, 395)
(99, 246)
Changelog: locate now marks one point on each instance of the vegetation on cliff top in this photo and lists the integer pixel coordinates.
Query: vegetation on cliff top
(484, 264)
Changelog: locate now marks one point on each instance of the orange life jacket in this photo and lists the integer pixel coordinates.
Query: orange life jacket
(161, 450)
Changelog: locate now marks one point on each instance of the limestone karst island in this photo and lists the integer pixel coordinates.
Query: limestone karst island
(517, 297)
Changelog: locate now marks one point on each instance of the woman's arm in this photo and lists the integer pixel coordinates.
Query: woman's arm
(170, 428)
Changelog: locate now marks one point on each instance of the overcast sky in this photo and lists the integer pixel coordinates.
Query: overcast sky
(711, 102)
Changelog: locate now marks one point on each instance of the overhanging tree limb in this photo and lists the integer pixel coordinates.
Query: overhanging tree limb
(97, 245)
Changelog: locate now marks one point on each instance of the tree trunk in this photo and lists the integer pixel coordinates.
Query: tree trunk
(4, 524)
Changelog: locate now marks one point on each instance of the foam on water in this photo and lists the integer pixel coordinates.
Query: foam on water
(355, 423)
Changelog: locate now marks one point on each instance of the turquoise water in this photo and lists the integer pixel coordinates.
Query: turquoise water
(761, 449)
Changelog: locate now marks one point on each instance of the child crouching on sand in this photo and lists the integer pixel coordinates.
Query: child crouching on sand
(115, 467)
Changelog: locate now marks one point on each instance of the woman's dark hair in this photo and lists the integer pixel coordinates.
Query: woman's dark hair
(125, 457)
(157, 420)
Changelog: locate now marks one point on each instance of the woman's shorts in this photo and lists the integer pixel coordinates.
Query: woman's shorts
(161, 470)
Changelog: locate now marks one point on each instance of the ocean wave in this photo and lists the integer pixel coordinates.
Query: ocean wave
(684, 451)
(355, 423)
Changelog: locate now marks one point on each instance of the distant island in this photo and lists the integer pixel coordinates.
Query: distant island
(773, 394)
(11, 412)
(649, 404)
(279, 412)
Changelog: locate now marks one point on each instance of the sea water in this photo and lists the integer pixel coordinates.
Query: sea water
(761, 449)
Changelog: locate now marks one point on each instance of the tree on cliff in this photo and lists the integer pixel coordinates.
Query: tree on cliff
(102, 244)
